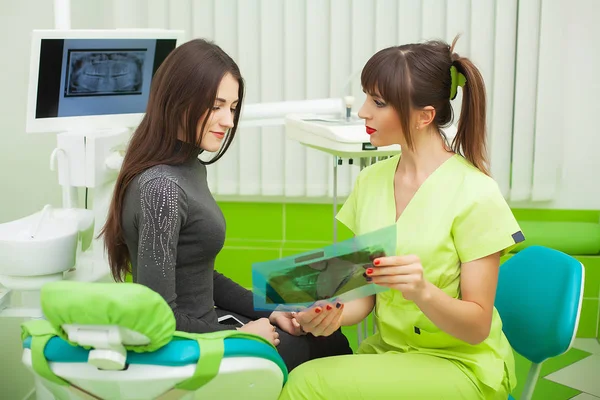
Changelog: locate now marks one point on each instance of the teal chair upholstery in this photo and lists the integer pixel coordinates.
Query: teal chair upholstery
(539, 296)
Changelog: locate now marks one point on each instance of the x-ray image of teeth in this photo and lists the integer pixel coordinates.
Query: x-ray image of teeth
(106, 72)
(322, 279)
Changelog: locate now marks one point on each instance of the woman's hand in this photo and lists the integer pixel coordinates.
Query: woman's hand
(322, 319)
(286, 322)
(403, 273)
(262, 327)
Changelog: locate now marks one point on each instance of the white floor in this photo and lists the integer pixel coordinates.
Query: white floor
(585, 396)
(584, 375)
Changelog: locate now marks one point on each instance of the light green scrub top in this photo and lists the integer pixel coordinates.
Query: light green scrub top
(457, 215)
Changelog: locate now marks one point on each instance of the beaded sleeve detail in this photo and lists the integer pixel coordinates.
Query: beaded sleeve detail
(160, 221)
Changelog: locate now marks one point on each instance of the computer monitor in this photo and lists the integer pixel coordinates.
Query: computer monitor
(93, 79)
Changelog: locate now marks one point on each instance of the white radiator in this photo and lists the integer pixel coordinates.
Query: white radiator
(309, 49)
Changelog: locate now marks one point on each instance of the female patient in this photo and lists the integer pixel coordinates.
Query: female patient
(439, 335)
(164, 222)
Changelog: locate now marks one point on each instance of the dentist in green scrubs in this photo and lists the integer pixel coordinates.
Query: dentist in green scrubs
(438, 333)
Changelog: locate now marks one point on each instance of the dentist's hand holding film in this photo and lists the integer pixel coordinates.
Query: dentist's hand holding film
(403, 273)
(322, 319)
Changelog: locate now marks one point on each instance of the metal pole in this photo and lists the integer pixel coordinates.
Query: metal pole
(336, 160)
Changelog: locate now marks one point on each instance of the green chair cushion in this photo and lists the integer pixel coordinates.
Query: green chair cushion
(128, 305)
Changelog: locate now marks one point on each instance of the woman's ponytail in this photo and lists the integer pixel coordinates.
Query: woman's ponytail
(470, 140)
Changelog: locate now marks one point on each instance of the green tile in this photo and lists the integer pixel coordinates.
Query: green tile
(245, 243)
(312, 222)
(592, 276)
(556, 215)
(294, 252)
(294, 248)
(236, 264)
(581, 238)
(253, 221)
(562, 361)
(352, 334)
(546, 389)
(589, 319)
(309, 222)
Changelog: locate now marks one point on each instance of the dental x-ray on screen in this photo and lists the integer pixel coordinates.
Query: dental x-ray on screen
(105, 72)
(95, 79)
(97, 76)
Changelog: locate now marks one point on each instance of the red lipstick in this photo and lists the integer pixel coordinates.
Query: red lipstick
(370, 130)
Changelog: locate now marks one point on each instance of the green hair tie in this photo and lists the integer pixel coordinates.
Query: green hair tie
(458, 79)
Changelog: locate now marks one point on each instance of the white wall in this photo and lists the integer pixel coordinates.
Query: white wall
(282, 58)
(556, 135)
(26, 183)
(580, 175)
(292, 50)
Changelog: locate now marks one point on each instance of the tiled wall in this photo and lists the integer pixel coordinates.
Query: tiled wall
(590, 316)
(266, 231)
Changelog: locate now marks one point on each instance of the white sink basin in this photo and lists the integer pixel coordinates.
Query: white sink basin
(38, 248)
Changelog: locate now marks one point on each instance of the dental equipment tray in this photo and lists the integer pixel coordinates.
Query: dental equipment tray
(335, 135)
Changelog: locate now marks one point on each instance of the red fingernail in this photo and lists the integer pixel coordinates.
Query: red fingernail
(328, 307)
(369, 271)
(317, 310)
(376, 262)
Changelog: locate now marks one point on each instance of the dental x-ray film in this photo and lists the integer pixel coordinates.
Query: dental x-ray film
(333, 273)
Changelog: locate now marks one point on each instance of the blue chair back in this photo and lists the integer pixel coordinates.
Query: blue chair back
(539, 296)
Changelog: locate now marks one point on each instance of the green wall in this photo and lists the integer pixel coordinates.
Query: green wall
(265, 231)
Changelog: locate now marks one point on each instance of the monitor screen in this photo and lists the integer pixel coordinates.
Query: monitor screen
(96, 76)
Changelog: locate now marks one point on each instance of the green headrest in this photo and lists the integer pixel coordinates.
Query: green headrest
(128, 305)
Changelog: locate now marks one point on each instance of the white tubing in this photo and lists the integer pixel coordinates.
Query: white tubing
(62, 14)
(280, 109)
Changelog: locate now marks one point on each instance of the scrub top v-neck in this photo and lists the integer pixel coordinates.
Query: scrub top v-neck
(457, 215)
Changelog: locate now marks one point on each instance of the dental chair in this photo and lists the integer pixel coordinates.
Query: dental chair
(539, 297)
(118, 341)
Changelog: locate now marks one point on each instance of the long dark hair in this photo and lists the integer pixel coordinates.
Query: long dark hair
(418, 75)
(183, 89)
